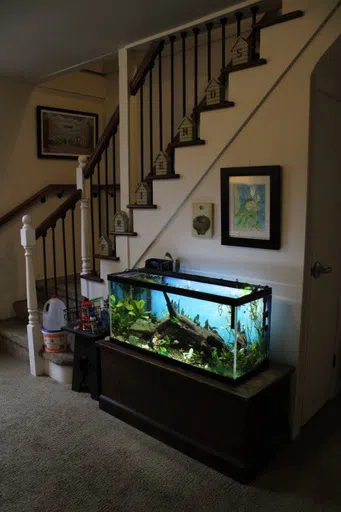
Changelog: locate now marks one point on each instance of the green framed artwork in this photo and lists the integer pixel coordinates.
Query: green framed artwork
(65, 133)
(251, 206)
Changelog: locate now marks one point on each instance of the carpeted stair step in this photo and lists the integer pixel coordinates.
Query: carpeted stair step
(61, 290)
(13, 338)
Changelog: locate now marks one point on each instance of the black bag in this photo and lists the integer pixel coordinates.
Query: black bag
(159, 264)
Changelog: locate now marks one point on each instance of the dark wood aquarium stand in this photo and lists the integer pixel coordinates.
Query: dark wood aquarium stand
(232, 428)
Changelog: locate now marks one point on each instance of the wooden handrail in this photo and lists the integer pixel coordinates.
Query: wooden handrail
(109, 131)
(51, 220)
(64, 207)
(145, 66)
(134, 86)
(22, 207)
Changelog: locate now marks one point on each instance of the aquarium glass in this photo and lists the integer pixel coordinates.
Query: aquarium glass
(191, 331)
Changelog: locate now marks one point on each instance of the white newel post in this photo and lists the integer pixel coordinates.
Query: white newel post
(34, 336)
(83, 185)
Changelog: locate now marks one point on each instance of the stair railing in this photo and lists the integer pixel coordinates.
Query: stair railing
(173, 87)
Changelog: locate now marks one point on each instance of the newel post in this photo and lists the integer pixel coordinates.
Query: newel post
(83, 185)
(34, 336)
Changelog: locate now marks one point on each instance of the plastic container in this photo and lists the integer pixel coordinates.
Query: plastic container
(54, 341)
(53, 314)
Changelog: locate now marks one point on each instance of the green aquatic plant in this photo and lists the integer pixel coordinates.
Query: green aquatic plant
(124, 313)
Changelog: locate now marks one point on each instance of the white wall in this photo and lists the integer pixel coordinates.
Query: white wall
(277, 134)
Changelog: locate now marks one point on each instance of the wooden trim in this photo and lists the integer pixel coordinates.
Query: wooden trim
(240, 67)
(111, 258)
(227, 104)
(58, 213)
(49, 190)
(103, 142)
(145, 66)
(128, 233)
(264, 23)
(142, 206)
(196, 142)
(154, 177)
(92, 277)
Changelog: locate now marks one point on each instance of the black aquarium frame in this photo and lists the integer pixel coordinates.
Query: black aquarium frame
(259, 292)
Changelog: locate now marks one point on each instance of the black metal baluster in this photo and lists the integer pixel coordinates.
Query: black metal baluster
(160, 99)
(54, 258)
(114, 171)
(151, 161)
(45, 267)
(183, 37)
(106, 189)
(65, 264)
(223, 22)
(92, 225)
(99, 200)
(74, 254)
(172, 40)
(196, 31)
(239, 16)
(209, 27)
(254, 55)
(141, 133)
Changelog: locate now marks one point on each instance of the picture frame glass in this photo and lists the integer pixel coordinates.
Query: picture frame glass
(65, 133)
(249, 201)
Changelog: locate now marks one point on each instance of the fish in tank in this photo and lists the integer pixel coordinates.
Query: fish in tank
(215, 326)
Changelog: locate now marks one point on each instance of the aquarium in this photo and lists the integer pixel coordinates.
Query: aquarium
(218, 327)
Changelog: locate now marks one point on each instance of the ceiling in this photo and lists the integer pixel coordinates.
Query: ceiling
(41, 37)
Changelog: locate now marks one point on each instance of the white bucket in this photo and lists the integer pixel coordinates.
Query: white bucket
(54, 341)
(53, 314)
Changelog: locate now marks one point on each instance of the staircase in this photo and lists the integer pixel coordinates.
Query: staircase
(211, 81)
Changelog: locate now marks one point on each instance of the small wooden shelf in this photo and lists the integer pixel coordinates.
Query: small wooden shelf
(92, 277)
(280, 19)
(128, 233)
(196, 142)
(226, 104)
(240, 67)
(152, 177)
(112, 258)
(142, 206)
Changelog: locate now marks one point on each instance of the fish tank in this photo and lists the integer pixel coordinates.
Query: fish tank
(217, 327)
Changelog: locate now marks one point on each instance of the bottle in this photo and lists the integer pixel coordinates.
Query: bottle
(53, 314)
(86, 306)
(93, 322)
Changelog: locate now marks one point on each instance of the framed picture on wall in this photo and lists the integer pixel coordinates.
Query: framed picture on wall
(251, 206)
(65, 133)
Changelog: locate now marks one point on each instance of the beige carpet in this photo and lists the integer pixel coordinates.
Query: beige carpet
(60, 453)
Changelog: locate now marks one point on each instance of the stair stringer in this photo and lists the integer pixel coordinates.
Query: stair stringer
(249, 89)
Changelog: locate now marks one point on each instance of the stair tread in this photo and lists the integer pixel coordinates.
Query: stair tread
(61, 358)
(15, 330)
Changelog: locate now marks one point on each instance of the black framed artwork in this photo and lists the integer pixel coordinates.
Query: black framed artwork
(251, 206)
(65, 133)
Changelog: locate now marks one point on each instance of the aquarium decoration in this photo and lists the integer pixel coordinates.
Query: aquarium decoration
(215, 326)
(251, 207)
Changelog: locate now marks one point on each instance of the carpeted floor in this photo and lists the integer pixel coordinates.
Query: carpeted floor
(60, 453)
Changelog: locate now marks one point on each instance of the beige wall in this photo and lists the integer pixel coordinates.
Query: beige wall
(23, 174)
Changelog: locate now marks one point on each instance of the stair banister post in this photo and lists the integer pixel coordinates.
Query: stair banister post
(83, 185)
(34, 336)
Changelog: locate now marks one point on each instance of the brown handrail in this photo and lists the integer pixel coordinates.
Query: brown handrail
(58, 213)
(134, 86)
(22, 207)
(109, 130)
(67, 205)
(145, 66)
